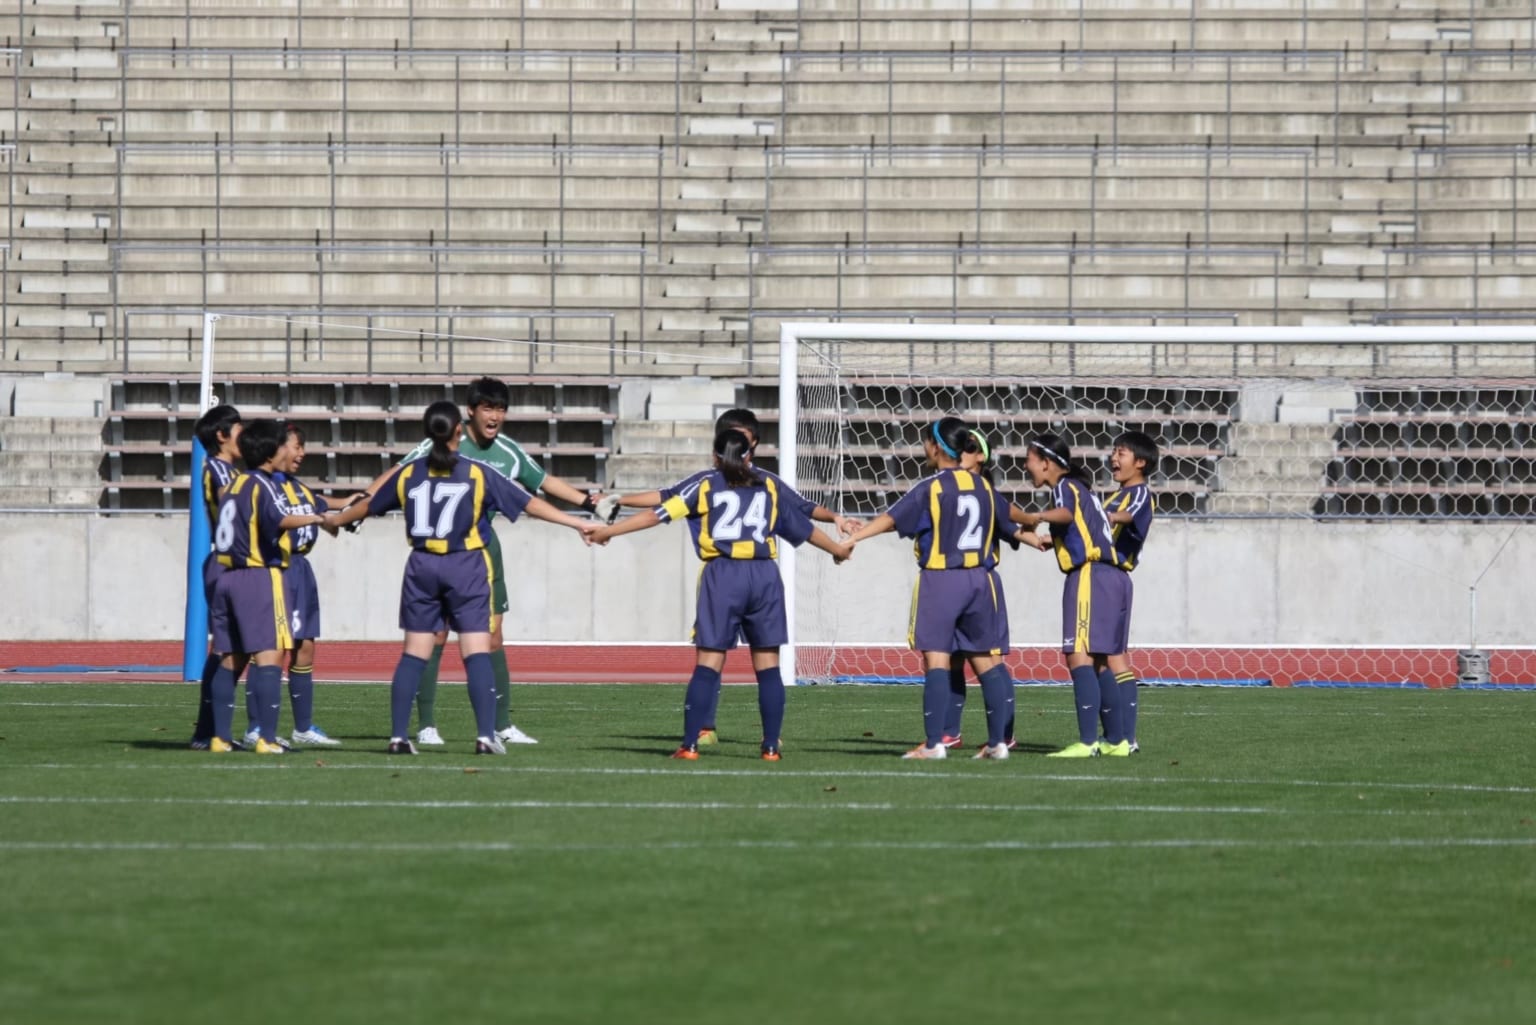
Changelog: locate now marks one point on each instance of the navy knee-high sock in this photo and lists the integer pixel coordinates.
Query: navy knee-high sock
(1127, 682)
(204, 728)
(997, 693)
(301, 693)
(954, 714)
(1109, 707)
(711, 708)
(402, 694)
(935, 705)
(266, 682)
(252, 704)
(221, 697)
(703, 685)
(770, 704)
(1085, 693)
(482, 692)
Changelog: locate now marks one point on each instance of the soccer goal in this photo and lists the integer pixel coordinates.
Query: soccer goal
(1335, 505)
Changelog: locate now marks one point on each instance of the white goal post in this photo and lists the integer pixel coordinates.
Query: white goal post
(1404, 428)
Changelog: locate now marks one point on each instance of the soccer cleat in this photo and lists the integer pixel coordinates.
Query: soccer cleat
(198, 743)
(951, 742)
(218, 746)
(264, 748)
(401, 746)
(1078, 750)
(1135, 748)
(252, 735)
(513, 735)
(686, 753)
(708, 737)
(923, 751)
(1120, 750)
(314, 737)
(994, 751)
(429, 737)
(489, 746)
(771, 753)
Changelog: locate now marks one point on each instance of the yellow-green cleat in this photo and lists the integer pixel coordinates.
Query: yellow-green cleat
(708, 737)
(1120, 750)
(1078, 750)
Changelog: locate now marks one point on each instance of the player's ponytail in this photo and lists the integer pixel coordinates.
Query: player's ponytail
(1055, 449)
(732, 449)
(440, 421)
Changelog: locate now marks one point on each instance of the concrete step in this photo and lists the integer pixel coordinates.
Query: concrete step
(61, 464)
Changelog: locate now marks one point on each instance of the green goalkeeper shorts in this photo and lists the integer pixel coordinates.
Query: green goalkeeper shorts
(498, 573)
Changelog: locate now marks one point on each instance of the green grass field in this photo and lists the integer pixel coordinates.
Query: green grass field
(1293, 856)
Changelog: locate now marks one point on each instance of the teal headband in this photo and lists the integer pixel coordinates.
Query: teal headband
(938, 439)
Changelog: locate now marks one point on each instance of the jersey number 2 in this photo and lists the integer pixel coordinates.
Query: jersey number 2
(969, 507)
(423, 496)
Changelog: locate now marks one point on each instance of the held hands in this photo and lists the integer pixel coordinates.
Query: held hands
(1029, 537)
(846, 525)
(606, 508)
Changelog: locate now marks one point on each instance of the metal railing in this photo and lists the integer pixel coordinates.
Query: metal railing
(437, 255)
(374, 337)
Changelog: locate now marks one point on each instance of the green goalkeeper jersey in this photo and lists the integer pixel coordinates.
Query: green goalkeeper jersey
(503, 453)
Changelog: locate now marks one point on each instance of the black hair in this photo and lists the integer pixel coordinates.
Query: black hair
(952, 435)
(438, 423)
(988, 466)
(260, 440)
(487, 391)
(218, 420)
(1055, 448)
(297, 431)
(1141, 446)
(740, 420)
(733, 448)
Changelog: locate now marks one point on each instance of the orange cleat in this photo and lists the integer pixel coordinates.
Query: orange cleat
(686, 753)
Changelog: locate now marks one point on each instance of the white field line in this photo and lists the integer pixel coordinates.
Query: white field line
(397, 765)
(79, 704)
(690, 806)
(624, 849)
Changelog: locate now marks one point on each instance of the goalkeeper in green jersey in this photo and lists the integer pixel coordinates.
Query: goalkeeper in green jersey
(486, 406)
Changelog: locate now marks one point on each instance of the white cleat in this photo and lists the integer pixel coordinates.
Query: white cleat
(315, 737)
(489, 746)
(998, 752)
(923, 751)
(252, 735)
(513, 735)
(429, 737)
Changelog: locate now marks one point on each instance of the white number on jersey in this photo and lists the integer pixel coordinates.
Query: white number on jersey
(424, 495)
(731, 523)
(224, 534)
(969, 507)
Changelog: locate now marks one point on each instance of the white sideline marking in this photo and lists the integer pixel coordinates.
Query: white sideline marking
(77, 704)
(681, 772)
(876, 806)
(502, 846)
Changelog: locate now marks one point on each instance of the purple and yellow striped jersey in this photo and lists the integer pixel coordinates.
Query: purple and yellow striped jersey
(298, 500)
(735, 523)
(955, 519)
(246, 534)
(1087, 538)
(788, 496)
(217, 475)
(1129, 537)
(449, 511)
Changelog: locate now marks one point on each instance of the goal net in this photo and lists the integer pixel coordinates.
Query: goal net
(1340, 506)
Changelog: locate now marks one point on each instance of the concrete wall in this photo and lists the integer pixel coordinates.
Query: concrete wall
(90, 577)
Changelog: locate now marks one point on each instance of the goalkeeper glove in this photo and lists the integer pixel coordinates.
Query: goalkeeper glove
(608, 508)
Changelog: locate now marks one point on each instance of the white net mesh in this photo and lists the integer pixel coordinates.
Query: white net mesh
(1338, 509)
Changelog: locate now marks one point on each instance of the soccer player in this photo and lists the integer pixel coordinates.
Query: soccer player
(740, 512)
(1130, 510)
(303, 593)
(448, 499)
(248, 612)
(486, 408)
(1095, 603)
(746, 421)
(957, 605)
(218, 430)
(980, 462)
